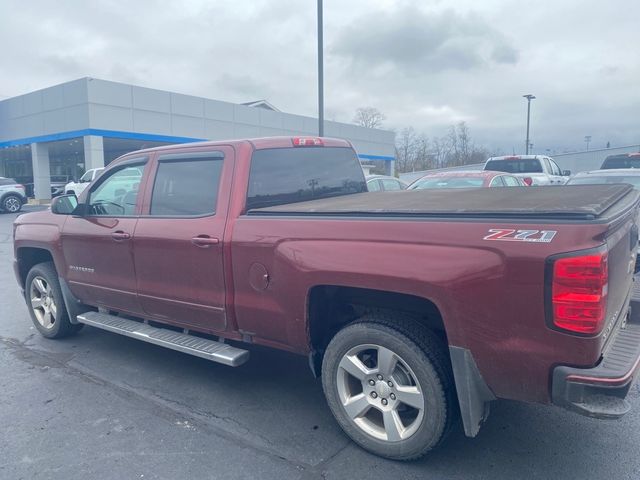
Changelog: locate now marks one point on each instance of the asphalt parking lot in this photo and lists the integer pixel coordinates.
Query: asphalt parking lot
(99, 405)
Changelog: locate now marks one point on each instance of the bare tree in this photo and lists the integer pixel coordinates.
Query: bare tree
(405, 150)
(416, 152)
(369, 117)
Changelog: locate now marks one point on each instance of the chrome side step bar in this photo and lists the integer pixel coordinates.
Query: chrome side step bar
(200, 347)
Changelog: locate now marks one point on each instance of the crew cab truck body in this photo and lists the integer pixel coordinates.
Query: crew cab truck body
(413, 306)
(532, 169)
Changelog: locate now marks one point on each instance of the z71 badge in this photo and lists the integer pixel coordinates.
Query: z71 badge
(510, 235)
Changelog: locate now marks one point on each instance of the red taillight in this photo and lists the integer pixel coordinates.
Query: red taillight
(528, 181)
(20, 187)
(579, 293)
(512, 157)
(307, 142)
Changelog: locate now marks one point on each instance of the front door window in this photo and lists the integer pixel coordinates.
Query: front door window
(117, 194)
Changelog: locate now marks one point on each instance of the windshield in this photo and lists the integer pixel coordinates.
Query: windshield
(517, 165)
(447, 182)
(621, 161)
(606, 179)
(87, 176)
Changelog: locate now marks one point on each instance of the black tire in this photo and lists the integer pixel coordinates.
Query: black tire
(70, 192)
(427, 360)
(12, 204)
(59, 326)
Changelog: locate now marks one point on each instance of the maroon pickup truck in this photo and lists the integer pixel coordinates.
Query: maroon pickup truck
(416, 308)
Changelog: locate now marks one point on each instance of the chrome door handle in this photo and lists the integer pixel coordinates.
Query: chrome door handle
(120, 235)
(204, 241)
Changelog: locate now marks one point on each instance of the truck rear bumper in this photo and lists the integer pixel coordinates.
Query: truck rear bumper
(601, 391)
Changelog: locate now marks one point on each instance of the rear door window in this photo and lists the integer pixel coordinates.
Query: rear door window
(187, 184)
(511, 181)
(373, 185)
(389, 184)
(497, 182)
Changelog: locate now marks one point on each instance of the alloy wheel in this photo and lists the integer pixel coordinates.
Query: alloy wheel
(380, 393)
(43, 302)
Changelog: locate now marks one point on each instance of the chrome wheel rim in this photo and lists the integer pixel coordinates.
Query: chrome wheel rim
(43, 302)
(12, 205)
(380, 393)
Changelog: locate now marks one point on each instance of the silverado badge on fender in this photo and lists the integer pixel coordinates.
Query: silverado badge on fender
(511, 235)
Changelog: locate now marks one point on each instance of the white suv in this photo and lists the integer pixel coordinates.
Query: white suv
(12, 195)
(78, 187)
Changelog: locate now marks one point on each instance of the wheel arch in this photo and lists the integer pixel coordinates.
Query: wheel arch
(28, 257)
(331, 307)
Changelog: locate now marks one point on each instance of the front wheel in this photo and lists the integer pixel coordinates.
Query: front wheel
(390, 387)
(12, 204)
(46, 304)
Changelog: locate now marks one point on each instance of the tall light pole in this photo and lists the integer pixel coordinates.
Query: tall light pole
(529, 97)
(587, 139)
(320, 74)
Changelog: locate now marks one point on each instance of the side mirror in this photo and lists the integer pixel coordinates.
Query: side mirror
(64, 204)
(566, 173)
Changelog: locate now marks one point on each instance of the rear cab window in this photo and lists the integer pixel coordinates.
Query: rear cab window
(621, 161)
(516, 165)
(279, 176)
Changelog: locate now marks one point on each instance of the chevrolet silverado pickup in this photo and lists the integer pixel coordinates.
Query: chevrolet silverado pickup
(416, 308)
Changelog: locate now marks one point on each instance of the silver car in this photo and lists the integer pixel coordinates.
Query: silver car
(377, 183)
(12, 195)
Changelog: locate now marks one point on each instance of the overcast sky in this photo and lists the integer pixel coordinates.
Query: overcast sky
(425, 64)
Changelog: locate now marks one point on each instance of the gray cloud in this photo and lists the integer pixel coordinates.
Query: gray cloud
(428, 42)
(421, 64)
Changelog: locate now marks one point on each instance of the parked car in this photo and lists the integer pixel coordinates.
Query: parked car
(376, 183)
(412, 306)
(12, 195)
(622, 160)
(610, 176)
(470, 179)
(78, 187)
(532, 169)
(58, 183)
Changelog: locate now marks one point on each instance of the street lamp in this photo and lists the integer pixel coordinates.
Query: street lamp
(587, 139)
(529, 97)
(320, 74)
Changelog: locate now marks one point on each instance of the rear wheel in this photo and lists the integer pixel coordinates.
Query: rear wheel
(12, 204)
(46, 304)
(390, 386)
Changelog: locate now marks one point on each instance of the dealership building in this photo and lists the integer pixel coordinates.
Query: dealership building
(55, 134)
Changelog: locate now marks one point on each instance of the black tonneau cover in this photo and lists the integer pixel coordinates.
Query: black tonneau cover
(575, 202)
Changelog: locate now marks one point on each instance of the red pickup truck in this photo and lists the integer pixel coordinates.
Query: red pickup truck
(415, 307)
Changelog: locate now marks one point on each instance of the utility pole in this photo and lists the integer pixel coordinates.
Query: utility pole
(529, 97)
(587, 139)
(320, 73)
